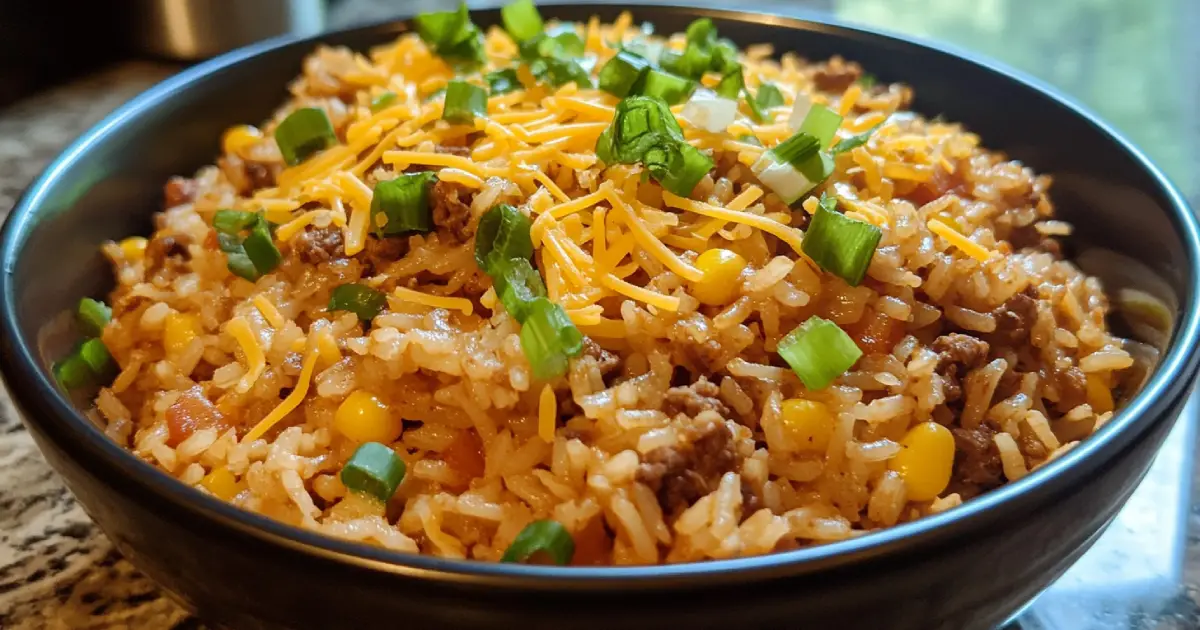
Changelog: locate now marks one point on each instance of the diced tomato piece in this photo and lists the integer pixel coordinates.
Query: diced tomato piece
(465, 455)
(592, 544)
(192, 412)
(876, 333)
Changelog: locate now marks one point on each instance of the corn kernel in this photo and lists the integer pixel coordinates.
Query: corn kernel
(179, 330)
(134, 248)
(925, 461)
(222, 484)
(721, 269)
(364, 418)
(1099, 393)
(238, 139)
(809, 424)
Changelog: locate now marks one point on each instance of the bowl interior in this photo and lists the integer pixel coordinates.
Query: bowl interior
(107, 185)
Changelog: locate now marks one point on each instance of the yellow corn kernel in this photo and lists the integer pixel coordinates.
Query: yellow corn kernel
(364, 418)
(222, 484)
(328, 351)
(134, 248)
(1099, 393)
(239, 138)
(925, 460)
(809, 424)
(719, 284)
(179, 330)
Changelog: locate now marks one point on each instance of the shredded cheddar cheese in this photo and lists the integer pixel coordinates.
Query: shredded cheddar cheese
(547, 414)
(434, 301)
(269, 312)
(964, 244)
(256, 362)
(293, 399)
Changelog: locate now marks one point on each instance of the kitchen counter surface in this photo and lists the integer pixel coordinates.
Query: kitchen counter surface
(1137, 64)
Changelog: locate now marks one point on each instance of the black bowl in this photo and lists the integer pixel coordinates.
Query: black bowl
(970, 567)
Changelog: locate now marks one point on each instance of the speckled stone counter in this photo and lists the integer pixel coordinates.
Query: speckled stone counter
(58, 571)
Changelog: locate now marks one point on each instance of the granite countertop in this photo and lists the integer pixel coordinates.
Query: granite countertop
(1135, 63)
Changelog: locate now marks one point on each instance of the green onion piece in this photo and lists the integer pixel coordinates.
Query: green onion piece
(521, 19)
(541, 537)
(548, 338)
(359, 299)
(867, 81)
(818, 352)
(668, 87)
(452, 35)
(750, 138)
(683, 171)
(96, 356)
(374, 469)
(816, 168)
(233, 221)
(239, 263)
(796, 149)
(517, 285)
(564, 42)
(464, 102)
(839, 244)
(260, 247)
(403, 203)
(769, 96)
(93, 315)
(821, 123)
(303, 133)
(382, 101)
(851, 143)
(643, 130)
(503, 234)
(503, 81)
(622, 72)
(73, 372)
(558, 72)
(725, 57)
(731, 84)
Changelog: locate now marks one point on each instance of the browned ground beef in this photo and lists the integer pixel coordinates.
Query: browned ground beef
(179, 190)
(977, 466)
(836, 75)
(692, 399)
(319, 245)
(1015, 317)
(451, 213)
(680, 475)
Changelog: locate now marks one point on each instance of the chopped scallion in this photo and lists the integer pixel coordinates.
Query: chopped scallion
(796, 149)
(452, 35)
(622, 73)
(359, 299)
(867, 81)
(750, 138)
(383, 101)
(374, 469)
(233, 221)
(546, 537)
(503, 81)
(821, 123)
(709, 111)
(93, 316)
(260, 247)
(521, 19)
(839, 244)
(769, 96)
(248, 256)
(72, 372)
(668, 87)
(725, 57)
(643, 130)
(732, 84)
(464, 102)
(503, 234)
(403, 203)
(853, 142)
(96, 356)
(564, 42)
(549, 338)
(558, 72)
(303, 133)
(517, 285)
(818, 351)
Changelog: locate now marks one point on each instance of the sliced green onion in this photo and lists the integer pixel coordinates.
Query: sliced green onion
(853, 142)
(821, 123)
(796, 149)
(643, 130)
(233, 221)
(521, 19)
(769, 96)
(867, 81)
(839, 244)
(260, 247)
(559, 72)
(503, 81)
(359, 299)
(403, 203)
(382, 101)
(548, 338)
(750, 138)
(303, 133)
(374, 469)
(800, 109)
(731, 84)
(464, 102)
(541, 537)
(668, 87)
(622, 73)
(503, 234)
(452, 35)
(93, 315)
(564, 42)
(818, 352)
(72, 372)
(709, 111)
(725, 57)
(517, 285)
(95, 354)
(240, 264)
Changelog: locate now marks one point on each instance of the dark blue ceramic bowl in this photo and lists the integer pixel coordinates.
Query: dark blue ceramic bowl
(970, 567)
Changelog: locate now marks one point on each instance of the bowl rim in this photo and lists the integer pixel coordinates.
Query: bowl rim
(41, 402)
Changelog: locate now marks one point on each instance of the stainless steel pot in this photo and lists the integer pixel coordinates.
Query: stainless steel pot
(195, 29)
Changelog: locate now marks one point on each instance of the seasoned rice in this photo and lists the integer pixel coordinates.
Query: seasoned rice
(669, 439)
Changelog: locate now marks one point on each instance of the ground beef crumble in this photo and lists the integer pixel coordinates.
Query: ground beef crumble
(1015, 317)
(681, 475)
(977, 466)
(703, 395)
(957, 355)
(319, 245)
(451, 212)
(836, 75)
